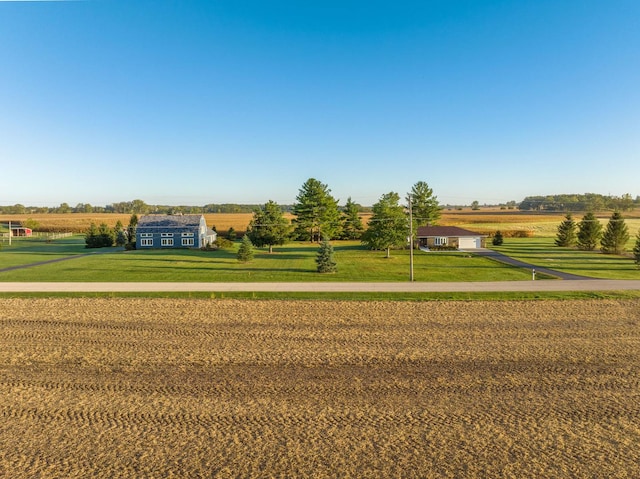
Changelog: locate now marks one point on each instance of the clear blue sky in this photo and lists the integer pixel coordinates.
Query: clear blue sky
(241, 101)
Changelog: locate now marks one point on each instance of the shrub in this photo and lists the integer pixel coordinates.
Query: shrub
(497, 239)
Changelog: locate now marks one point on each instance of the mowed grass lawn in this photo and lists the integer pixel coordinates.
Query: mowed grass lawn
(543, 252)
(292, 262)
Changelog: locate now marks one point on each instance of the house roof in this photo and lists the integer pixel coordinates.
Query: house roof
(169, 221)
(449, 231)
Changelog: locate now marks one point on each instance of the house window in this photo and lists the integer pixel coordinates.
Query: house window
(187, 241)
(167, 241)
(146, 235)
(187, 235)
(146, 242)
(166, 235)
(441, 241)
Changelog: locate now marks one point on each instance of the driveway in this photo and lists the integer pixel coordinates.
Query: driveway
(502, 258)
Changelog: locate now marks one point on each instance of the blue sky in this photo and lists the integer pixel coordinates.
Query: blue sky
(241, 101)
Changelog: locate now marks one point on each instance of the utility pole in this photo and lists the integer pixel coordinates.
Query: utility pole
(410, 240)
(10, 233)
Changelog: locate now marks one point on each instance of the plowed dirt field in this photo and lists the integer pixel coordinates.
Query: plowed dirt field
(226, 388)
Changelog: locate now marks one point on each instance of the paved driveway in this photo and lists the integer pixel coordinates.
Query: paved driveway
(496, 256)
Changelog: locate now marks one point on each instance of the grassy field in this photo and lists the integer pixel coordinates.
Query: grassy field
(542, 252)
(208, 388)
(292, 262)
(296, 261)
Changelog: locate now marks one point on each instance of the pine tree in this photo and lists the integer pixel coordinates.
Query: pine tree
(566, 232)
(615, 236)
(131, 229)
(424, 205)
(106, 236)
(268, 227)
(636, 249)
(316, 211)
(352, 227)
(245, 251)
(324, 260)
(388, 226)
(589, 232)
(91, 237)
(498, 239)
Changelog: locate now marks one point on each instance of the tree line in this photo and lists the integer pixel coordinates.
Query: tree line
(579, 202)
(588, 234)
(318, 217)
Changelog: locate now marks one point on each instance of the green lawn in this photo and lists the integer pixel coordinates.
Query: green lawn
(543, 252)
(296, 262)
(293, 262)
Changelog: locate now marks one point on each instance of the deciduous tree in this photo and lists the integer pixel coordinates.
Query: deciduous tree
(388, 226)
(268, 227)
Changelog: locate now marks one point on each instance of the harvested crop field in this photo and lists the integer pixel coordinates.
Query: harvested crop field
(228, 388)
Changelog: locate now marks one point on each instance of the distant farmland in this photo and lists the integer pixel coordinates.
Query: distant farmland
(221, 388)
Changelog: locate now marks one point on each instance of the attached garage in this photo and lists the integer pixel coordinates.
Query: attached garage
(469, 242)
(448, 237)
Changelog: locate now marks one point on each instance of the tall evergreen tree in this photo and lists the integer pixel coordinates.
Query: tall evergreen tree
(106, 235)
(615, 236)
(589, 232)
(566, 232)
(268, 227)
(245, 251)
(131, 229)
(424, 205)
(636, 249)
(352, 227)
(316, 212)
(388, 226)
(91, 237)
(325, 260)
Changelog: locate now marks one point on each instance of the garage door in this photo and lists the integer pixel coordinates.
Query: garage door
(468, 243)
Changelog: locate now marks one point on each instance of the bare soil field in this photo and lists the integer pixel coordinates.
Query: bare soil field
(227, 388)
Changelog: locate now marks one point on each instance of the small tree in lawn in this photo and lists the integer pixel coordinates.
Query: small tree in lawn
(268, 227)
(589, 232)
(498, 239)
(324, 260)
(245, 251)
(615, 236)
(566, 232)
(636, 249)
(388, 226)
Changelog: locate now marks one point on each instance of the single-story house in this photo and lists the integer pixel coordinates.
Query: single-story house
(173, 231)
(449, 236)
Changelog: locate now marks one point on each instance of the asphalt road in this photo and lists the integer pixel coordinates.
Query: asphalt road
(418, 287)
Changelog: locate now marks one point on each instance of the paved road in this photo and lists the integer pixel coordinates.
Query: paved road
(418, 287)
